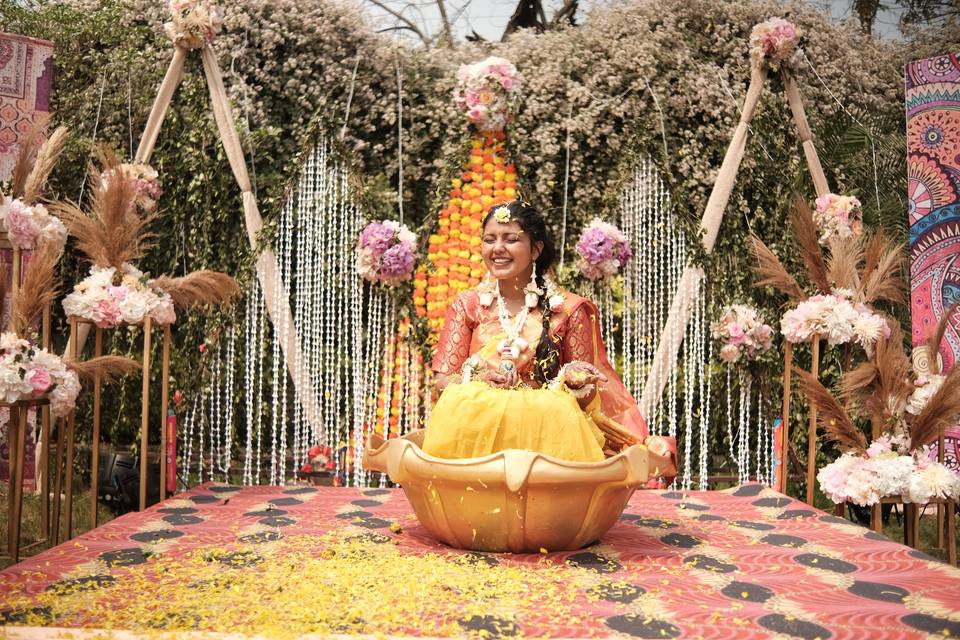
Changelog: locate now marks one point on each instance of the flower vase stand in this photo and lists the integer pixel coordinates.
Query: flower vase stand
(17, 433)
(148, 327)
(16, 440)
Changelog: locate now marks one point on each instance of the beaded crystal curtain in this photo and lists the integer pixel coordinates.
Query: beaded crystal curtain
(653, 275)
(344, 329)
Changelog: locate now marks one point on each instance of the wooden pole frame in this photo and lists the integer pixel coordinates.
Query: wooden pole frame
(812, 424)
(16, 441)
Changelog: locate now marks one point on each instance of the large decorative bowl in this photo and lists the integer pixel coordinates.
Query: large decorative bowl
(514, 500)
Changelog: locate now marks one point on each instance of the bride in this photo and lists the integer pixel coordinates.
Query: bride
(520, 363)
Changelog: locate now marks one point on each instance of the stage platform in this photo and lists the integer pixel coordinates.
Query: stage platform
(286, 561)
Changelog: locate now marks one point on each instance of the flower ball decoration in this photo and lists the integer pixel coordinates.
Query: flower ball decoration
(838, 217)
(775, 43)
(109, 298)
(834, 317)
(486, 91)
(320, 458)
(193, 23)
(743, 333)
(27, 371)
(888, 468)
(603, 251)
(26, 225)
(386, 253)
(144, 180)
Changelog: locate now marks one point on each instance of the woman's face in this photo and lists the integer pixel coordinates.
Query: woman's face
(507, 251)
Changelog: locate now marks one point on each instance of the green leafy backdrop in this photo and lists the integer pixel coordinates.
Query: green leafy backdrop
(664, 78)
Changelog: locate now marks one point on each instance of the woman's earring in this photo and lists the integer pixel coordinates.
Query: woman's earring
(532, 298)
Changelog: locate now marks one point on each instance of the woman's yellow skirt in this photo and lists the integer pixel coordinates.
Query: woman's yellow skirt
(472, 420)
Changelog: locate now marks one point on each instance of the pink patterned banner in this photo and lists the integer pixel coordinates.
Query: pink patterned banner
(26, 77)
(933, 145)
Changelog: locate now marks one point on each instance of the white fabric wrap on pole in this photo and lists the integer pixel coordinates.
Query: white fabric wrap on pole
(266, 266)
(680, 309)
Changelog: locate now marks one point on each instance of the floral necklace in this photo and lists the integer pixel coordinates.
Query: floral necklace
(511, 347)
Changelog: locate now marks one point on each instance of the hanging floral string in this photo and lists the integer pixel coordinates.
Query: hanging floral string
(742, 332)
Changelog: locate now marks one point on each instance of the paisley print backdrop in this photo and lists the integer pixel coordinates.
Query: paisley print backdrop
(26, 74)
(933, 170)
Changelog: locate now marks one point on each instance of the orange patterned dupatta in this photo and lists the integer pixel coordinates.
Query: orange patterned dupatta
(470, 329)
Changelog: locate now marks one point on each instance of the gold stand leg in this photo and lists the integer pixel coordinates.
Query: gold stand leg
(145, 412)
(914, 526)
(951, 509)
(785, 440)
(95, 440)
(68, 475)
(43, 464)
(812, 427)
(164, 404)
(58, 481)
(876, 518)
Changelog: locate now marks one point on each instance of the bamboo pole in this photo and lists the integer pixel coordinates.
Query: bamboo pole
(171, 80)
(95, 453)
(812, 427)
(806, 135)
(164, 403)
(785, 439)
(680, 310)
(145, 411)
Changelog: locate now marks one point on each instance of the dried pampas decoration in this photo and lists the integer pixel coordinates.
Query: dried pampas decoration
(29, 175)
(113, 233)
(832, 417)
(199, 288)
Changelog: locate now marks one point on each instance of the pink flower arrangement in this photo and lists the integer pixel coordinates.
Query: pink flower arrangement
(386, 253)
(834, 317)
(194, 22)
(838, 216)
(603, 250)
(887, 468)
(775, 43)
(486, 90)
(27, 226)
(146, 184)
(29, 372)
(743, 332)
(108, 300)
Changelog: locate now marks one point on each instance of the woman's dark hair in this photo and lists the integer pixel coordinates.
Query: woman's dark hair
(546, 363)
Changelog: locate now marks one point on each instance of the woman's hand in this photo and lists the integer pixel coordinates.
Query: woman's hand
(578, 374)
(495, 378)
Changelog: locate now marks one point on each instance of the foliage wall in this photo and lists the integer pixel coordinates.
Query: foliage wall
(664, 77)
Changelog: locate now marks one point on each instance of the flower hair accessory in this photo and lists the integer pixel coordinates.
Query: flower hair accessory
(502, 215)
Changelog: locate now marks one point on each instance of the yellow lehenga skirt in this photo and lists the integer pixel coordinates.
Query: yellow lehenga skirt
(473, 419)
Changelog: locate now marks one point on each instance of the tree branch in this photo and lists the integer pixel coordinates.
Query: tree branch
(567, 12)
(447, 35)
(408, 24)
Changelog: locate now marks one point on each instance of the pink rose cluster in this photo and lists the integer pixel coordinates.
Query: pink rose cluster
(28, 226)
(838, 217)
(888, 468)
(834, 317)
(743, 332)
(194, 22)
(29, 372)
(109, 301)
(386, 253)
(145, 180)
(775, 43)
(603, 250)
(486, 90)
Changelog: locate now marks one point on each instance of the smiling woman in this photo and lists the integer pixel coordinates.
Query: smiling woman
(520, 363)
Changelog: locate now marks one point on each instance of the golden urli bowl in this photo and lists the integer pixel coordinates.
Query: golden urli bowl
(514, 500)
